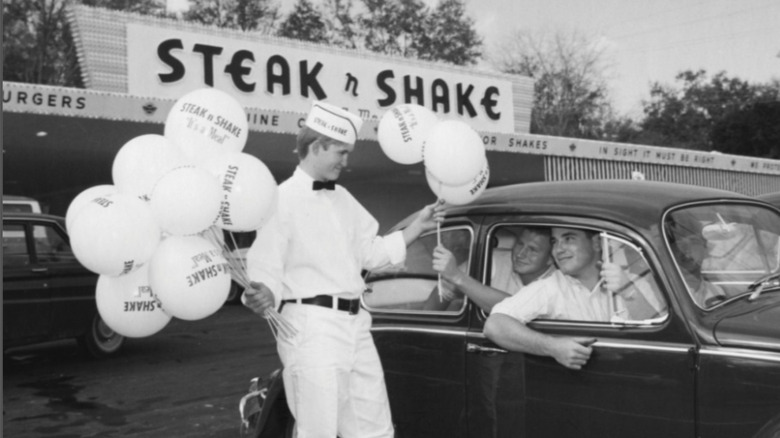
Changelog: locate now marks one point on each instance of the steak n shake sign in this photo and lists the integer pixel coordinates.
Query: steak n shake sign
(168, 58)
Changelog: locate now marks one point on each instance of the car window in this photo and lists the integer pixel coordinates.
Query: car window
(721, 249)
(414, 286)
(50, 245)
(639, 298)
(15, 246)
(636, 299)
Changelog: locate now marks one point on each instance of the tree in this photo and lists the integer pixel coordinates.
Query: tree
(38, 47)
(35, 47)
(248, 15)
(688, 117)
(393, 26)
(304, 23)
(342, 24)
(570, 89)
(753, 131)
(408, 28)
(449, 35)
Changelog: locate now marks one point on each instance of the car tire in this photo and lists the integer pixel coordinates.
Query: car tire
(100, 340)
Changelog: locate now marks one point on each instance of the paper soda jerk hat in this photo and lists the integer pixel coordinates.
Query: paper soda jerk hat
(334, 122)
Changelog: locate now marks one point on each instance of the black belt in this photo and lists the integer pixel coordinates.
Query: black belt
(329, 301)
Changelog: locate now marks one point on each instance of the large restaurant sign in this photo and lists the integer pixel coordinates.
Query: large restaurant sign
(168, 58)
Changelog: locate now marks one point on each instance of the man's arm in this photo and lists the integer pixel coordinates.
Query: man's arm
(485, 296)
(426, 220)
(513, 335)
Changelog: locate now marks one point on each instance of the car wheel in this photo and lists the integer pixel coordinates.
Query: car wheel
(100, 340)
(234, 296)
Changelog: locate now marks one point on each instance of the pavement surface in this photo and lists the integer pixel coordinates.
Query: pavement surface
(184, 381)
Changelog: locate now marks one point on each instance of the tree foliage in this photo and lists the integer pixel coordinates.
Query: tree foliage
(570, 87)
(38, 47)
(707, 114)
(304, 23)
(410, 29)
(247, 15)
(449, 35)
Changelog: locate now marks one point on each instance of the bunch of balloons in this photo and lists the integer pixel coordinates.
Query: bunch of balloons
(456, 167)
(150, 234)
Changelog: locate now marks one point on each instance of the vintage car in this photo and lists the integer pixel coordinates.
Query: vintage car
(694, 366)
(47, 294)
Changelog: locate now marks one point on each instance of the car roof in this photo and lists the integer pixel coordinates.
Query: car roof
(772, 198)
(31, 215)
(623, 201)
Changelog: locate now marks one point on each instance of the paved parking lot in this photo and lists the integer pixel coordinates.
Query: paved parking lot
(182, 382)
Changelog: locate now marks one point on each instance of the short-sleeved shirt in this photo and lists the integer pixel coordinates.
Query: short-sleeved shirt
(557, 296)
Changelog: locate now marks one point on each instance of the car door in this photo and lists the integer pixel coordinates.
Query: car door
(26, 296)
(639, 380)
(71, 286)
(420, 338)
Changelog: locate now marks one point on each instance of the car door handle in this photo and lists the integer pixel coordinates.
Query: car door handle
(40, 270)
(474, 348)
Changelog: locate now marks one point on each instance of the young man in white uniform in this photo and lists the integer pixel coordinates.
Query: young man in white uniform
(308, 258)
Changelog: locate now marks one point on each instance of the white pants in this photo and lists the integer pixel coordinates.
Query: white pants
(332, 374)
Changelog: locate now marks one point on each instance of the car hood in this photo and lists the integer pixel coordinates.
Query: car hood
(754, 326)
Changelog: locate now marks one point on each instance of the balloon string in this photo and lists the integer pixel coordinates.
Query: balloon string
(604, 260)
(438, 243)
(279, 325)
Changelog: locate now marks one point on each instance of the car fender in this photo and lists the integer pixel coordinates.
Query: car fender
(771, 429)
(264, 411)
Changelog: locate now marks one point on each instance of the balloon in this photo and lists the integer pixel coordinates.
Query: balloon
(83, 199)
(129, 306)
(186, 200)
(190, 277)
(141, 162)
(114, 235)
(248, 192)
(453, 152)
(460, 195)
(402, 130)
(207, 123)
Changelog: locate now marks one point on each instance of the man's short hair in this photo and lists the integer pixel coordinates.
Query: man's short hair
(307, 137)
(537, 230)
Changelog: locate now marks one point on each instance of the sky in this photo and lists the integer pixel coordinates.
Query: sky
(645, 41)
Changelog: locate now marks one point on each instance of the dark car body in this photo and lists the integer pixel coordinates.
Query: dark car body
(47, 294)
(694, 369)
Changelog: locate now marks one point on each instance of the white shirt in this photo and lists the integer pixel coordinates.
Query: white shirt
(557, 296)
(318, 242)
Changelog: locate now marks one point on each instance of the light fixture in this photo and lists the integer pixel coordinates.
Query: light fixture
(41, 134)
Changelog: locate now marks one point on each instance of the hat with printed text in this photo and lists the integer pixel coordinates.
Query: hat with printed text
(334, 122)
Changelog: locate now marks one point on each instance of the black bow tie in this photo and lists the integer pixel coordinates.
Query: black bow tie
(327, 185)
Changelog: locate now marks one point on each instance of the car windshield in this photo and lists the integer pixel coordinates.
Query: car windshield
(722, 249)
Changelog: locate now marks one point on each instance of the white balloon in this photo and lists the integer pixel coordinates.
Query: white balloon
(460, 195)
(248, 192)
(129, 306)
(114, 235)
(453, 152)
(141, 162)
(402, 130)
(83, 199)
(190, 277)
(186, 200)
(207, 123)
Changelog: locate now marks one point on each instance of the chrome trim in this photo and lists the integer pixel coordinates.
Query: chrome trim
(742, 353)
(447, 332)
(620, 343)
(606, 343)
